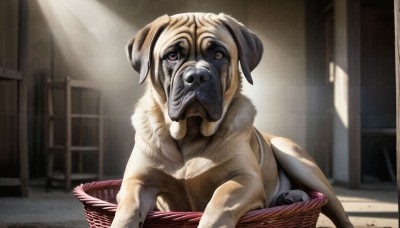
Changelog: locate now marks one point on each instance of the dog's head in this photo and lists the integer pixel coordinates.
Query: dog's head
(192, 61)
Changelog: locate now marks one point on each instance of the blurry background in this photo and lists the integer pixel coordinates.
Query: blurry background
(326, 80)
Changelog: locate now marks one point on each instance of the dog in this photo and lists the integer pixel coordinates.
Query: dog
(195, 145)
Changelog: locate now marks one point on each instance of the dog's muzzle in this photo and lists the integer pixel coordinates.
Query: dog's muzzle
(196, 92)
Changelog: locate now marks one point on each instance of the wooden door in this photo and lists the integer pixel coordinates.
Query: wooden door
(13, 100)
(378, 98)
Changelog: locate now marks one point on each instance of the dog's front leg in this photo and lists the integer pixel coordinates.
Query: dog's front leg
(135, 200)
(233, 199)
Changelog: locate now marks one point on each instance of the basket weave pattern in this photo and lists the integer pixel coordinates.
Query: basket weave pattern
(99, 200)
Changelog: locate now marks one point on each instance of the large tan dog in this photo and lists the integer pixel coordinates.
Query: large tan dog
(195, 145)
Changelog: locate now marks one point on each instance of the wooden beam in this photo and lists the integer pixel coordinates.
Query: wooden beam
(23, 97)
(354, 71)
(397, 56)
(10, 74)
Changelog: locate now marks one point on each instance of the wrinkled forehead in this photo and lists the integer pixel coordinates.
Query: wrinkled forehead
(197, 30)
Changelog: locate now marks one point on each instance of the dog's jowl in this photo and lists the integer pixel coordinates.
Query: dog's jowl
(196, 148)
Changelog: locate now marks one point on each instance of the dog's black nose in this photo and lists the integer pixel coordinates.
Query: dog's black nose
(196, 76)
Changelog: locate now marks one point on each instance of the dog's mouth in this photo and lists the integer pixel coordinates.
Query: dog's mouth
(195, 109)
(196, 104)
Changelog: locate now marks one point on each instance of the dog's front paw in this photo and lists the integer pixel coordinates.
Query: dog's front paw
(293, 196)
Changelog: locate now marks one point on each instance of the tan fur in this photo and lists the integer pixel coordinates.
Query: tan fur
(197, 165)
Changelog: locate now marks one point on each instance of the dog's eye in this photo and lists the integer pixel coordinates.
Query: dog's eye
(172, 56)
(218, 55)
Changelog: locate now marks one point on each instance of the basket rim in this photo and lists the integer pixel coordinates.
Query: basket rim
(317, 200)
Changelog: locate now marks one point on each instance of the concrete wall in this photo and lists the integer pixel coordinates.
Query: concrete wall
(86, 39)
(279, 90)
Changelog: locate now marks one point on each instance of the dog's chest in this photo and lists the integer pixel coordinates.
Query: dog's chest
(203, 167)
(198, 157)
(193, 188)
(192, 185)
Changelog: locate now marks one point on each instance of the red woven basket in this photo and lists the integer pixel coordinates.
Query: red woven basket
(99, 201)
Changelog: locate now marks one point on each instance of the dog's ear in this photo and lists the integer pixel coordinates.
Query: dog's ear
(139, 48)
(249, 45)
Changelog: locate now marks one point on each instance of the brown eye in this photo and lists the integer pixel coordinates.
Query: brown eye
(172, 56)
(218, 55)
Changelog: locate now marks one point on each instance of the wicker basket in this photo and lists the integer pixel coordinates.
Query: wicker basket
(99, 200)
